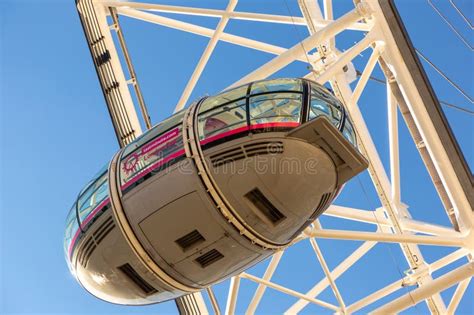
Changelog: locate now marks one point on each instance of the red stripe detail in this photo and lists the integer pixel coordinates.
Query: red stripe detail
(252, 127)
(92, 214)
(175, 155)
(151, 168)
(289, 124)
(88, 218)
(224, 134)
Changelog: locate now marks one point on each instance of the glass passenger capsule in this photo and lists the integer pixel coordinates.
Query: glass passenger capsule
(211, 191)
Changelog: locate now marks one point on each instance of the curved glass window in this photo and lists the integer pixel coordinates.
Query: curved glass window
(151, 152)
(223, 118)
(349, 132)
(269, 101)
(92, 197)
(162, 127)
(275, 107)
(276, 85)
(323, 103)
(223, 98)
(71, 227)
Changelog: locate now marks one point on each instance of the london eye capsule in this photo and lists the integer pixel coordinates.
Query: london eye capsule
(211, 191)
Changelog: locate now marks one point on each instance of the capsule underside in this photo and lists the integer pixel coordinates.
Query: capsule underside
(212, 192)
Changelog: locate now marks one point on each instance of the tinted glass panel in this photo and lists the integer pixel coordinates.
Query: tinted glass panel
(222, 119)
(165, 125)
(225, 97)
(275, 107)
(96, 176)
(324, 103)
(276, 86)
(151, 156)
(71, 227)
(93, 197)
(349, 132)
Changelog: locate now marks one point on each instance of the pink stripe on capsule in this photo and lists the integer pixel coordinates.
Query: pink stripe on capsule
(83, 224)
(151, 168)
(252, 127)
(175, 155)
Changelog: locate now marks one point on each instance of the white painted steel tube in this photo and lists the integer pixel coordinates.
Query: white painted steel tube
(204, 58)
(261, 288)
(390, 238)
(232, 296)
(427, 290)
(458, 294)
(345, 58)
(297, 50)
(203, 31)
(335, 273)
(289, 291)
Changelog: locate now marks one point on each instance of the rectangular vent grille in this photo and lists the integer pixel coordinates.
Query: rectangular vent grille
(249, 150)
(137, 279)
(189, 240)
(209, 258)
(273, 147)
(227, 156)
(95, 239)
(264, 205)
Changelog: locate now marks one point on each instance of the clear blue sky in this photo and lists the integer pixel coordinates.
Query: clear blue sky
(56, 133)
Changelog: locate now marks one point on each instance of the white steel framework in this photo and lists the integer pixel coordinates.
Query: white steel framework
(407, 92)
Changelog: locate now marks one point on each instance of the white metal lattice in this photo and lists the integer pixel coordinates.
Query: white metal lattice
(390, 54)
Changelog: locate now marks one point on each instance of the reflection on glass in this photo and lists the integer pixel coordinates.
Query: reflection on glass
(225, 97)
(92, 197)
(222, 119)
(151, 155)
(165, 125)
(324, 104)
(276, 85)
(348, 132)
(275, 107)
(71, 228)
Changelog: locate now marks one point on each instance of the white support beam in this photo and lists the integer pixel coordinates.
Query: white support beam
(457, 296)
(446, 260)
(309, 43)
(204, 58)
(212, 298)
(417, 96)
(110, 72)
(364, 78)
(390, 238)
(232, 296)
(246, 16)
(379, 294)
(368, 216)
(203, 31)
(413, 297)
(329, 15)
(261, 288)
(191, 304)
(345, 58)
(336, 273)
(392, 111)
(289, 291)
(322, 37)
(365, 216)
(381, 183)
(428, 228)
(325, 267)
(249, 16)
